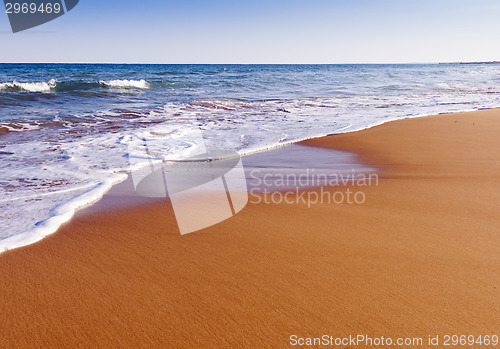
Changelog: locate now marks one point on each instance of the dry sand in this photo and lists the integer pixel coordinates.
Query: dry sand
(420, 257)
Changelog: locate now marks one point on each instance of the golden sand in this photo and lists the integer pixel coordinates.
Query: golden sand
(420, 257)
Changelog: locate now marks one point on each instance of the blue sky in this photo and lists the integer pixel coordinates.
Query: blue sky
(257, 31)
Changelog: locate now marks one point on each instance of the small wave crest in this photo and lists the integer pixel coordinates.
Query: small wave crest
(43, 86)
(126, 83)
(6, 128)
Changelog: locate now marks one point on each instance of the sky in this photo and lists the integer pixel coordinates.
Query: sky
(261, 31)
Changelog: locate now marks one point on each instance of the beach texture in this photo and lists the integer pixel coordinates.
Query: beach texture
(420, 257)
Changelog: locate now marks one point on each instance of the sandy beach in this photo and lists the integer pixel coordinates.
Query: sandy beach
(420, 257)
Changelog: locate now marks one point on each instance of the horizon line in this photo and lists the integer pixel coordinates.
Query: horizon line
(357, 63)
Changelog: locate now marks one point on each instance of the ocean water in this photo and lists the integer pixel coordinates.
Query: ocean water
(66, 129)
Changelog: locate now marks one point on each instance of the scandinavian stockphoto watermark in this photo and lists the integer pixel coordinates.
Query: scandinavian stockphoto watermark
(26, 14)
(328, 187)
(207, 186)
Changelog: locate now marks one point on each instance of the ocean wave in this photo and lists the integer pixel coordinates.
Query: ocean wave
(67, 86)
(28, 86)
(17, 127)
(126, 83)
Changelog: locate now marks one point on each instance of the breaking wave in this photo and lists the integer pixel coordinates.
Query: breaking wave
(28, 86)
(55, 86)
(126, 83)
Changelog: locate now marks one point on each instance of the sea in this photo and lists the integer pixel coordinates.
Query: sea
(66, 130)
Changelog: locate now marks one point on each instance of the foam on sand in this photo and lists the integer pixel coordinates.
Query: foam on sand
(60, 214)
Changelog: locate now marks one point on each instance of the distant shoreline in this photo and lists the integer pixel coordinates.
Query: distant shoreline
(240, 64)
(491, 62)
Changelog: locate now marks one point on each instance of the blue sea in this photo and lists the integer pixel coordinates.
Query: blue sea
(65, 129)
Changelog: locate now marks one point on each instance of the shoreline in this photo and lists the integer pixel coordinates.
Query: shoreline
(40, 233)
(419, 258)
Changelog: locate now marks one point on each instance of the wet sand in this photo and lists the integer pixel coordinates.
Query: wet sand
(420, 257)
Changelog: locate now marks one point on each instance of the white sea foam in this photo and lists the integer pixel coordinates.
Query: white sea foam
(59, 215)
(59, 180)
(126, 83)
(29, 86)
